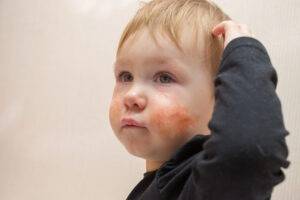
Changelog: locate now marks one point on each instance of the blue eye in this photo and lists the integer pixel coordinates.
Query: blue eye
(125, 76)
(164, 77)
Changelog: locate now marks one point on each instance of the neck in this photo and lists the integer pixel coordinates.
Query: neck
(152, 165)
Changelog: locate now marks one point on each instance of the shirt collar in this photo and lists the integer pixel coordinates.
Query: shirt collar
(190, 148)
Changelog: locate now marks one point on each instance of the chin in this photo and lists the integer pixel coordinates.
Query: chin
(138, 150)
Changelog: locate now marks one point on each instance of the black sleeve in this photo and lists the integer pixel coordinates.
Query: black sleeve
(247, 148)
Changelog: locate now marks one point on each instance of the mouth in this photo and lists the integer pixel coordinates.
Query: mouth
(131, 123)
(131, 126)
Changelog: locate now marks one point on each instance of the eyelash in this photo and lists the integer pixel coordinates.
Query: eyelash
(171, 79)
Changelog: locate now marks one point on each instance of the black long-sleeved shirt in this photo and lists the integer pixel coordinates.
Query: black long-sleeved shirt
(243, 156)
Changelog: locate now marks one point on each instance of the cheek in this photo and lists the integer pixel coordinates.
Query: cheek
(172, 119)
(114, 112)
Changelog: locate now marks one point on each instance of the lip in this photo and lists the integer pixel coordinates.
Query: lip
(129, 122)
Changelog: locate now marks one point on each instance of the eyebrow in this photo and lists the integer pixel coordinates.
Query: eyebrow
(149, 60)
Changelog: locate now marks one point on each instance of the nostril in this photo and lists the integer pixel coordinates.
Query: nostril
(135, 102)
(130, 101)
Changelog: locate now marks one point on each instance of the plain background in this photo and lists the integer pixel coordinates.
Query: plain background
(56, 82)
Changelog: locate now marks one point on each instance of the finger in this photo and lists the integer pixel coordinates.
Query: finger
(222, 27)
(219, 29)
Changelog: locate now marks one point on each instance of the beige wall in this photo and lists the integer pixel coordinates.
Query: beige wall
(56, 82)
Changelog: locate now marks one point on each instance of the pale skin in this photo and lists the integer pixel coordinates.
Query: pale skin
(170, 91)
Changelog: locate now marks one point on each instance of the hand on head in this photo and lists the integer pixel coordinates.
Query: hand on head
(231, 30)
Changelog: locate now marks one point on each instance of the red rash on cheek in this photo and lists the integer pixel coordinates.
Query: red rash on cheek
(171, 121)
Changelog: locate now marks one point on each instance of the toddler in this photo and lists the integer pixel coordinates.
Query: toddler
(195, 97)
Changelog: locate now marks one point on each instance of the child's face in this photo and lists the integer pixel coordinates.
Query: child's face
(169, 92)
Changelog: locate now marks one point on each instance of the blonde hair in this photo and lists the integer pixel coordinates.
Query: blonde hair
(171, 16)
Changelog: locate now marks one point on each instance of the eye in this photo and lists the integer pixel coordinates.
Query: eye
(125, 76)
(165, 77)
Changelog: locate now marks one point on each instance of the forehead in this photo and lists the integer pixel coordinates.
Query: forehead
(151, 59)
(142, 47)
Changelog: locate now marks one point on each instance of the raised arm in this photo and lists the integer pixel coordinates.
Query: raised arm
(247, 148)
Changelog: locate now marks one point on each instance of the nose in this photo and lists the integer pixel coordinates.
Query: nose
(135, 100)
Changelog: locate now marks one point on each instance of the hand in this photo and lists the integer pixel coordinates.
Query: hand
(231, 30)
